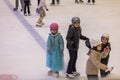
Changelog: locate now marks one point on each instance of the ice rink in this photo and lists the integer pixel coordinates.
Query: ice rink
(23, 45)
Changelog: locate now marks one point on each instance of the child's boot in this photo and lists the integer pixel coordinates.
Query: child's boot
(70, 76)
(109, 70)
(50, 72)
(76, 74)
(88, 1)
(81, 1)
(57, 74)
(76, 1)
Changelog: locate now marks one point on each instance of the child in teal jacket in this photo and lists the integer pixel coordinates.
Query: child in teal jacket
(55, 47)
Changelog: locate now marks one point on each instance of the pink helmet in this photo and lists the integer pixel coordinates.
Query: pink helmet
(53, 26)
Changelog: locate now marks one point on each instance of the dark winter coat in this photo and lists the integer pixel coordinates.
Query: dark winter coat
(73, 36)
(105, 46)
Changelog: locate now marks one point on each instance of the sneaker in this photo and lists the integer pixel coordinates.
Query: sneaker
(56, 74)
(70, 76)
(50, 72)
(76, 74)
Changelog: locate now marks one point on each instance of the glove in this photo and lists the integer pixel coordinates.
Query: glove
(87, 38)
(87, 43)
(89, 52)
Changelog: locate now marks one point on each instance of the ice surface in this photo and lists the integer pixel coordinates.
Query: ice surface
(23, 55)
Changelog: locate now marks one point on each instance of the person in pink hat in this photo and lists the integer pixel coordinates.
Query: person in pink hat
(55, 47)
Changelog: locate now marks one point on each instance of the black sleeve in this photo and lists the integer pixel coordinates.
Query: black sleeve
(70, 35)
(82, 36)
(109, 45)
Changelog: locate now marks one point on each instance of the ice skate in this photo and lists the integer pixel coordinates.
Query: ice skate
(70, 76)
(50, 73)
(76, 74)
(93, 3)
(52, 4)
(25, 14)
(38, 25)
(81, 1)
(58, 3)
(76, 1)
(109, 70)
(15, 9)
(42, 23)
(56, 74)
(21, 10)
(29, 14)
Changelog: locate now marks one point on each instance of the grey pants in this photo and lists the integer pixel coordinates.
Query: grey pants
(17, 4)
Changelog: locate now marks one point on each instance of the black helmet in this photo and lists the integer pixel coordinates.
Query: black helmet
(75, 19)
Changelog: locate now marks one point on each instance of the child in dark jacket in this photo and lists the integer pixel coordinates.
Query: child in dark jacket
(105, 45)
(73, 36)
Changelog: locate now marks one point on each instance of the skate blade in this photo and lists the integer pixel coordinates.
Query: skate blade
(70, 78)
(38, 25)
